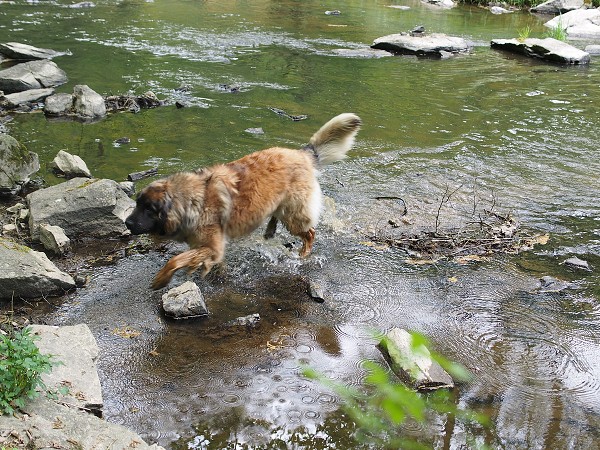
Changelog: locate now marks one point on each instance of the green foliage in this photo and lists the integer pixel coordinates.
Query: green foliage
(382, 405)
(524, 33)
(559, 33)
(21, 368)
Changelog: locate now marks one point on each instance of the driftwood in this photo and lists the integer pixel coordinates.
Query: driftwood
(132, 103)
(135, 176)
(492, 233)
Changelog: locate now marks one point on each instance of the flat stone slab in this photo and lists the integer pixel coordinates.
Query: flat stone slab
(414, 367)
(435, 44)
(548, 49)
(557, 6)
(16, 50)
(76, 349)
(32, 95)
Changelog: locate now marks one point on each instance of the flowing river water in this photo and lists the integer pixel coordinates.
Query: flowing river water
(497, 131)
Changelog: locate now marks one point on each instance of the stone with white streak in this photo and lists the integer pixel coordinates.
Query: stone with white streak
(414, 366)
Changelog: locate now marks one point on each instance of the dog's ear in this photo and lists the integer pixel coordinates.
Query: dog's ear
(165, 206)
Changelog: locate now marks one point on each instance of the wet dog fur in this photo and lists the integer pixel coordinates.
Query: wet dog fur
(209, 206)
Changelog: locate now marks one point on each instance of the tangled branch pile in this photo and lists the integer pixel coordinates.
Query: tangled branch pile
(492, 233)
(132, 103)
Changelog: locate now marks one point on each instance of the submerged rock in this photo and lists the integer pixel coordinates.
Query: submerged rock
(249, 321)
(577, 263)
(550, 284)
(430, 45)
(413, 366)
(70, 166)
(184, 301)
(593, 49)
(31, 75)
(548, 49)
(17, 163)
(25, 273)
(82, 207)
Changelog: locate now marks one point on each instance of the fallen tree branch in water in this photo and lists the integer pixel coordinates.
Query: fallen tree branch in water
(492, 233)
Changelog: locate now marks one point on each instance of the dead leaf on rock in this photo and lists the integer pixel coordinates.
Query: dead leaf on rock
(452, 279)
(466, 259)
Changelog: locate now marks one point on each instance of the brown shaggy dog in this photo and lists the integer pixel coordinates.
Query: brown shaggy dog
(208, 206)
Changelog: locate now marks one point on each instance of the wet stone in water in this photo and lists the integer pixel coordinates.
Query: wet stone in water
(577, 263)
(184, 301)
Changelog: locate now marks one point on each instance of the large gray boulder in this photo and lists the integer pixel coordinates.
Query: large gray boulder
(84, 104)
(82, 207)
(557, 6)
(547, 49)
(435, 44)
(88, 103)
(31, 75)
(16, 50)
(17, 164)
(581, 23)
(25, 273)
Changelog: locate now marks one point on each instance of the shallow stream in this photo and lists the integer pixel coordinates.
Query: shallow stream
(499, 131)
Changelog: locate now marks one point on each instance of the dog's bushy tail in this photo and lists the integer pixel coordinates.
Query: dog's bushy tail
(335, 138)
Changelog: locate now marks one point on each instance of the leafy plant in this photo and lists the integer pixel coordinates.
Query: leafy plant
(381, 406)
(21, 369)
(559, 32)
(524, 33)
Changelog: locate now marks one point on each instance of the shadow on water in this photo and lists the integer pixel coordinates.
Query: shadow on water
(499, 132)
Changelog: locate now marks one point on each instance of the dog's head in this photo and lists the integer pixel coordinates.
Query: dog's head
(151, 210)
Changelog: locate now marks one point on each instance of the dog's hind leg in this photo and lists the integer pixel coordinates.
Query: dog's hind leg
(271, 228)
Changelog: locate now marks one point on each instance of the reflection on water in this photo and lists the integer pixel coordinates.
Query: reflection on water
(500, 131)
